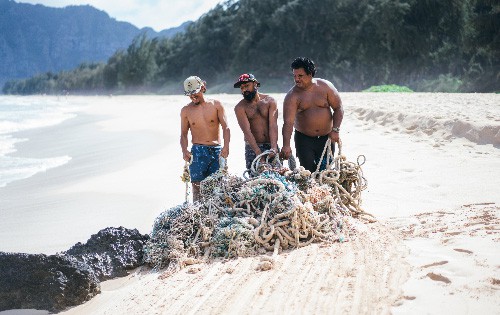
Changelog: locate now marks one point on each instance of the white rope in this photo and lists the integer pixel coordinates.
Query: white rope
(292, 163)
(337, 168)
(331, 162)
(266, 211)
(186, 177)
(256, 166)
(222, 164)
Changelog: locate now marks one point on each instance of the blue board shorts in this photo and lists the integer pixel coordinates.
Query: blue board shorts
(205, 161)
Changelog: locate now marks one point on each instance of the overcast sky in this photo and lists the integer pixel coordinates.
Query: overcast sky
(158, 14)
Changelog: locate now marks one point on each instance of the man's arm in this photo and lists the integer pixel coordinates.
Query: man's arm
(242, 118)
(335, 103)
(186, 155)
(226, 133)
(273, 124)
(289, 112)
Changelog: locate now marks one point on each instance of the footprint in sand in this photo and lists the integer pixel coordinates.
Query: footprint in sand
(439, 263)
(437, 277)
(408, 170)
(463, 250)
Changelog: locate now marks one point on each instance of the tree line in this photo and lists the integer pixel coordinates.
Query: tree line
(427, 45)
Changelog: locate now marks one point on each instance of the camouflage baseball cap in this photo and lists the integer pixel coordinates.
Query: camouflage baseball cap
(244, 78)
(193, 85)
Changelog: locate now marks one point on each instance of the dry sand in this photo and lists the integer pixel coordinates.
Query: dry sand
(433, 163)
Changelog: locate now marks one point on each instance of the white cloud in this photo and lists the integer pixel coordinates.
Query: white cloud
(158, 14)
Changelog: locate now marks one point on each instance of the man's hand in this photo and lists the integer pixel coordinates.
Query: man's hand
(186, 155)
(334, 136)
(224, 152)
(273, 152)
(286, 152)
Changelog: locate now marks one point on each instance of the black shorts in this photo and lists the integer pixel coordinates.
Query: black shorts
(309, 150)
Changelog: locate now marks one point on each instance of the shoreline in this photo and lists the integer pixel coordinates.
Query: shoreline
(46, 199)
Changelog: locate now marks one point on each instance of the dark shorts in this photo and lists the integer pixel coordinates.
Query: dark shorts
(250, 154)
(205, 161)
(309, 150)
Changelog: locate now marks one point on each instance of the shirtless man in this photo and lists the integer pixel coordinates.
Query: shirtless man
(308, 107)
(203, 117)
(257, 116)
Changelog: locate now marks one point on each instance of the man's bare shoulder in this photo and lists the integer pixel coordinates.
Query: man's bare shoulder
(292, 95)
(186, 107)
(268, 100)
(322, 83)
(241, 104)
(213, 102)
(239, 109)
(292, 90)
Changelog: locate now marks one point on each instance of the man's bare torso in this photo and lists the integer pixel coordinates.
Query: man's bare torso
(314, 114)
(203, 121)
(258, 117)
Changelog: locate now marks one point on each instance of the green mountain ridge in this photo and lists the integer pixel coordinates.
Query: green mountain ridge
(36, 39)
(425, 45)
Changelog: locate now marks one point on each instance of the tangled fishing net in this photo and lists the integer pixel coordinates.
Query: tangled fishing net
(273, 209)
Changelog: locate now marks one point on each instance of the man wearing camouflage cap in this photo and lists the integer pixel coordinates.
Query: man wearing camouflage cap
(203, 117)
(257, 116)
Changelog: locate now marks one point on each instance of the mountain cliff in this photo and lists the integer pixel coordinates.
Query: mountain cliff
(36, 39)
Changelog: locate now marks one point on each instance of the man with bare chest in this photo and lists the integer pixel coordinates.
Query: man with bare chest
(204, 117)
(314, 108)
(257, 116)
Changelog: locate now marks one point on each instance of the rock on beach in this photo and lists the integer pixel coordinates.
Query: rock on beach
(56, 282)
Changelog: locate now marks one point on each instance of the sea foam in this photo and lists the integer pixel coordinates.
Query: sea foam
(26, 113)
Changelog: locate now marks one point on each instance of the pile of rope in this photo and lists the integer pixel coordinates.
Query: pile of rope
(276, 208)
(345, 178)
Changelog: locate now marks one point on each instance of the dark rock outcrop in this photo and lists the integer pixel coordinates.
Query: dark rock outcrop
(56, 282)
(44, 282)
(111, 252)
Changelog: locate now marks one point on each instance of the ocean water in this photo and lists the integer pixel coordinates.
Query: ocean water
(19, 114)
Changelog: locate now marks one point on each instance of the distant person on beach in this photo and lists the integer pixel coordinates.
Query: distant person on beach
(314, 108)
(203, 117)
(257, 116)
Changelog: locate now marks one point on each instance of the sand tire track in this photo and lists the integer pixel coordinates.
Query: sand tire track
(362, 276)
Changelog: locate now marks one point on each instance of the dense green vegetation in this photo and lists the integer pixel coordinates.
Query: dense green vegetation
(426, 45)
(388, 88)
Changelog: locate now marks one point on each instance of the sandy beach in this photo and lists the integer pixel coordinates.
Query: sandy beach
(432, 165)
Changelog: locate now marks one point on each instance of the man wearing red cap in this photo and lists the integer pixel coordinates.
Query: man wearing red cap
(257, 116)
